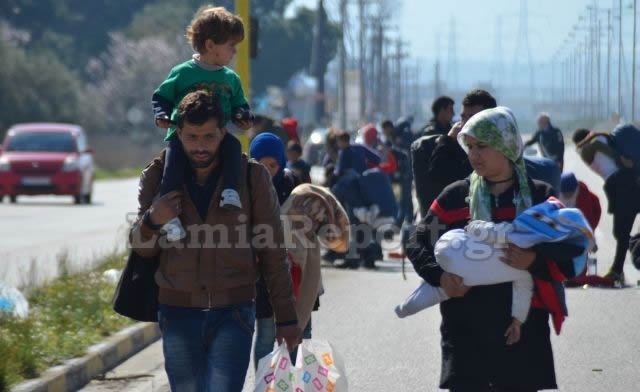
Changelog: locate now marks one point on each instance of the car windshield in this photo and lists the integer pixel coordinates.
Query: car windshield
(42, 141)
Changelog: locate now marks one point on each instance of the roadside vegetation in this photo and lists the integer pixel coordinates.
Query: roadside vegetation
(66, 316)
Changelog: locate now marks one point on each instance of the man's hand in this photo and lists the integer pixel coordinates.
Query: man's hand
(628, 163)
(166, 208)
(518, 258)
(455, 130)
(244, 125)
(163, 122)
(452, 285)
(513, 332)
(290, 334)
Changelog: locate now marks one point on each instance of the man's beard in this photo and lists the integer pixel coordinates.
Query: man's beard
(199, 164)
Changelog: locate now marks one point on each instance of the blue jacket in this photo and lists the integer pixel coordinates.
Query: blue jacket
(356, 157)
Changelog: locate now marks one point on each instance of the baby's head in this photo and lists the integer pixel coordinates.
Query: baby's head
(214, 33)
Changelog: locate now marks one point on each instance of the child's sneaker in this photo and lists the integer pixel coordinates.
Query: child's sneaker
(174, 230)
(230, 199)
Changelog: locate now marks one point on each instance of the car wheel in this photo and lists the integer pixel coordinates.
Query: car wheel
(13, 199)
(87, 198)
(1, 198)
(78, 199)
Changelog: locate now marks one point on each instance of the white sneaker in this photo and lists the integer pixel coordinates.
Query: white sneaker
(174, 230)
(361, 214)
(230, 199)
(374, 211)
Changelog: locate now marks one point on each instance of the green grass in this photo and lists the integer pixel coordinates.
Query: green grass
(103, 174)
(65, 317)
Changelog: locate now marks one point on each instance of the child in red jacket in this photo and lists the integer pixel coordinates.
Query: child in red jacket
(575, 194)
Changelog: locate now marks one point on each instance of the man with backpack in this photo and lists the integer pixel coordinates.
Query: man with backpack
(442, 109)
(440, 145)
(438, 160)
(605, 154)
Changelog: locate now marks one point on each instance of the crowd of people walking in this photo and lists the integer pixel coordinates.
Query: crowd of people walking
(203, 193)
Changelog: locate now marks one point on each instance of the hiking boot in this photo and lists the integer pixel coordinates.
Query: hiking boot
(230, 199)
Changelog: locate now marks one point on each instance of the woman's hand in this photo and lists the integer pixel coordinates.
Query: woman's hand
(513, 332)
(453, 285)
(517, 257)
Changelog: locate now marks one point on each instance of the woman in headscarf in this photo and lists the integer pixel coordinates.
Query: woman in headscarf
(475, 356)
(268, 149)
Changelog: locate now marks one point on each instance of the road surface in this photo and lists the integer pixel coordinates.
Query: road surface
(599, 349)
(37, 231)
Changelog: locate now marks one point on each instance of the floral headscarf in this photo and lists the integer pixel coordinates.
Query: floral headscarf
(497, 128)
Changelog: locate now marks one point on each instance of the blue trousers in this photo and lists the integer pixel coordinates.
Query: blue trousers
(207, 350)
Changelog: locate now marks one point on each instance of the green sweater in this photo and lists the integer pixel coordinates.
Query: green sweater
(190, 76)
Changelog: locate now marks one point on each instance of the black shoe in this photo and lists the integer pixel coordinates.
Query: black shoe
(370, 265)
(330, 256)
(349, 264)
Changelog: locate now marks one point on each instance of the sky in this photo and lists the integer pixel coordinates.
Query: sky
(422, 21)
(426, 26)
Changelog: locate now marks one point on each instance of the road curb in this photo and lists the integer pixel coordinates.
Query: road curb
(104, 356)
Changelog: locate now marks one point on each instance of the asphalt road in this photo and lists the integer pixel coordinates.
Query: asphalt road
(37, 231)
(599, 349)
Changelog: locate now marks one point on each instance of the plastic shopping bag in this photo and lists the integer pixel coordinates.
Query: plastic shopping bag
(318, 369)
(275, 372)
(322, 369)
(13, 302)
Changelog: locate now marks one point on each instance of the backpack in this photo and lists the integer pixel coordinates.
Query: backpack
(625, 139)
(421, 151)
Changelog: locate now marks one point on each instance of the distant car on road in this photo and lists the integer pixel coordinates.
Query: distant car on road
(46, 159)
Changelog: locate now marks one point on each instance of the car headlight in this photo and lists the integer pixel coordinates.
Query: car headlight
(5, 166)
(70, 164)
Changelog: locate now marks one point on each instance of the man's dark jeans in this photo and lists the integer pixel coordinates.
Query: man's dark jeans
(207, 349)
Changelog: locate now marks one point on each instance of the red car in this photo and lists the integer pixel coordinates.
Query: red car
(46, 159)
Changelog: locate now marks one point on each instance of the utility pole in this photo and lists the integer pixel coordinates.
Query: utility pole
(523, 44)
(362, 76)
(317, 70)
(591, 64)
(452, 57)
(498, 71)
(399, 56)
(620, 60)
(243, 58)
(598, 72)
(587, 73)
(608, 62)
(342, 95)
(633, 70)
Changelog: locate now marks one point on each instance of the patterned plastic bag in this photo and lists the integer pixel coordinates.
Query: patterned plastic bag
(318, 369)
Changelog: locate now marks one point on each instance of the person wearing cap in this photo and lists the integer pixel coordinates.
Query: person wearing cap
(576, 194)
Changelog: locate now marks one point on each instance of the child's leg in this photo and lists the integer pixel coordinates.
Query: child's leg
(175, 161)
(174, 166)
(423, 297)
(231, 155)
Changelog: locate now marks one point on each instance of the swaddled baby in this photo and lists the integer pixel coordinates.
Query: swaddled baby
(474, 253)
